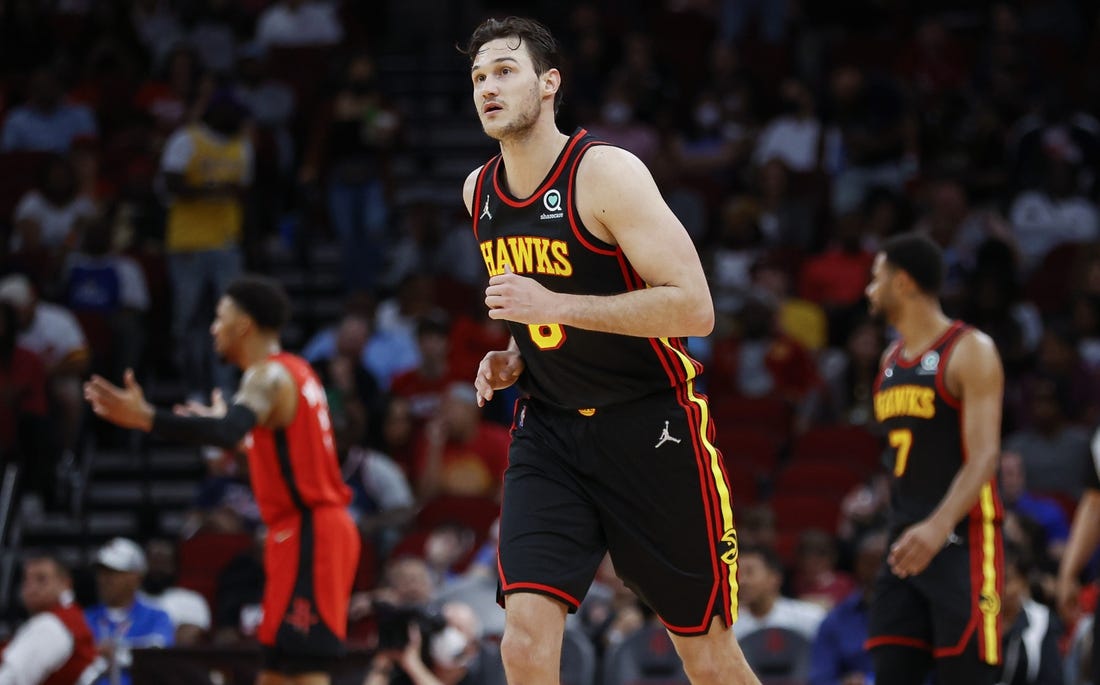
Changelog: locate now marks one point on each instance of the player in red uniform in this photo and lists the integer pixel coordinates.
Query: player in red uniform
(280, 417)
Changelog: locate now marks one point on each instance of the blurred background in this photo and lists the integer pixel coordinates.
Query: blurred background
(150, 150)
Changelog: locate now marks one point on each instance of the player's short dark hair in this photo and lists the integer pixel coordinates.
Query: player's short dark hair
(916, 255)
(540, 43)
(262, 298)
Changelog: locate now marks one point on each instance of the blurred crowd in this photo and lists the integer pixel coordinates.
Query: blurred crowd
(152, 150)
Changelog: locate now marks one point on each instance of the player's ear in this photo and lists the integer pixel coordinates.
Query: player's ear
(551, 81)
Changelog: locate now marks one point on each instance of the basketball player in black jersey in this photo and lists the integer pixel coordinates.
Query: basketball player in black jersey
(936, 602)
(612, 448)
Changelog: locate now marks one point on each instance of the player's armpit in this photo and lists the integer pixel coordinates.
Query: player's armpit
(260, 388)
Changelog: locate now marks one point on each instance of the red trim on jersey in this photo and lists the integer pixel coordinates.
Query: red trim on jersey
(477, 193)
(506, 199)
(897, 640)
(629, 277)
(711, 504)
(900, 359)
(672, 366)
(941, 372)
(506, 587)
(609, 251)
(541, 589)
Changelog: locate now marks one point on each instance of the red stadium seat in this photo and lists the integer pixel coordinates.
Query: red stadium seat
(832, 478)
(749, 447)
(204, 556)
(744, 482)
(851, 445)
(796, 512)
(761, 413)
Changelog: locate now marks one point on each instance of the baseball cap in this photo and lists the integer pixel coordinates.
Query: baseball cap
(121, 554)
(15, 290)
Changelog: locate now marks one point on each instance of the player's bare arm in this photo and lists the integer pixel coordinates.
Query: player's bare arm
(126, 407)
(1084, 536)
(619, 202)
(975, 375)
(499, 369)
(269, 392)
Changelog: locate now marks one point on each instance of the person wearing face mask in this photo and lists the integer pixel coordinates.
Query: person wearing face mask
(207, 168)
(450, 655)
(619, 126)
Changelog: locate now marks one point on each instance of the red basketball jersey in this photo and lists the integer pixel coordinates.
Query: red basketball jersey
(296, 468)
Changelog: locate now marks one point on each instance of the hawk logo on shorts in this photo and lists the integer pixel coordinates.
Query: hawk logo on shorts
(301, 616)
(728, 547)
(989, 604)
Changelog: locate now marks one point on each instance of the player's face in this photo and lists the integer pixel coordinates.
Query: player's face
(227, 327)
(507, 91)
(880, 290)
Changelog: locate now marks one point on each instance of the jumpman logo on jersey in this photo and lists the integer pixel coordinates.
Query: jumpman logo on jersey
(485, 210)
(665, 437)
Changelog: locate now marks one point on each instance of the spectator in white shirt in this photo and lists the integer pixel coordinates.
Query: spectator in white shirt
(55, 646)
(54, 334)
(51, 216)
(760, 577)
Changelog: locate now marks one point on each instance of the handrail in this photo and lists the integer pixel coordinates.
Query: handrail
(7, 498)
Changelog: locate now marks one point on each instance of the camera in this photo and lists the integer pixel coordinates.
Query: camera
(394, 622)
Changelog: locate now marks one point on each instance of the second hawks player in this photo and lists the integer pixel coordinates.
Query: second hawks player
(938, 396)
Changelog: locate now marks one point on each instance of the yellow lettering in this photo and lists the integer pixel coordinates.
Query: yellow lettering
(503, 259)
(521, 254)
(487, 254)
(561, 253)
(906, 400)
(543, 265)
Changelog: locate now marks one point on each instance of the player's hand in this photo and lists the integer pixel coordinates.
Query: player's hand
(519, 298)
(1066, 595)
(498, 370)
(854, 679)
(914, 549)
(125, 407)
(215, 410)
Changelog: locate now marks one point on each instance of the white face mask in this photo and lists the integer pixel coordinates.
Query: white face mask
(448, 648)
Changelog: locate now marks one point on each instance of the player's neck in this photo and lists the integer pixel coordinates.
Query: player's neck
(529, 157)
(920, 326)
(258, 349)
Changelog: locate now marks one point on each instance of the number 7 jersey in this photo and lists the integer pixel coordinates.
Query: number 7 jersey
(923, 426)
(543, 237)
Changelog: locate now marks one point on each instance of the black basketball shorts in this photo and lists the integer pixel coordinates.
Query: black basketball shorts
(641, 480)
(952, 608)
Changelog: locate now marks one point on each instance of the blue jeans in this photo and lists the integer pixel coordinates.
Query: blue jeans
(359, 218)
(197, 278)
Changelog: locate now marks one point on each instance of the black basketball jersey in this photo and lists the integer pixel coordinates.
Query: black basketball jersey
(544, 238)
(923, 423)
